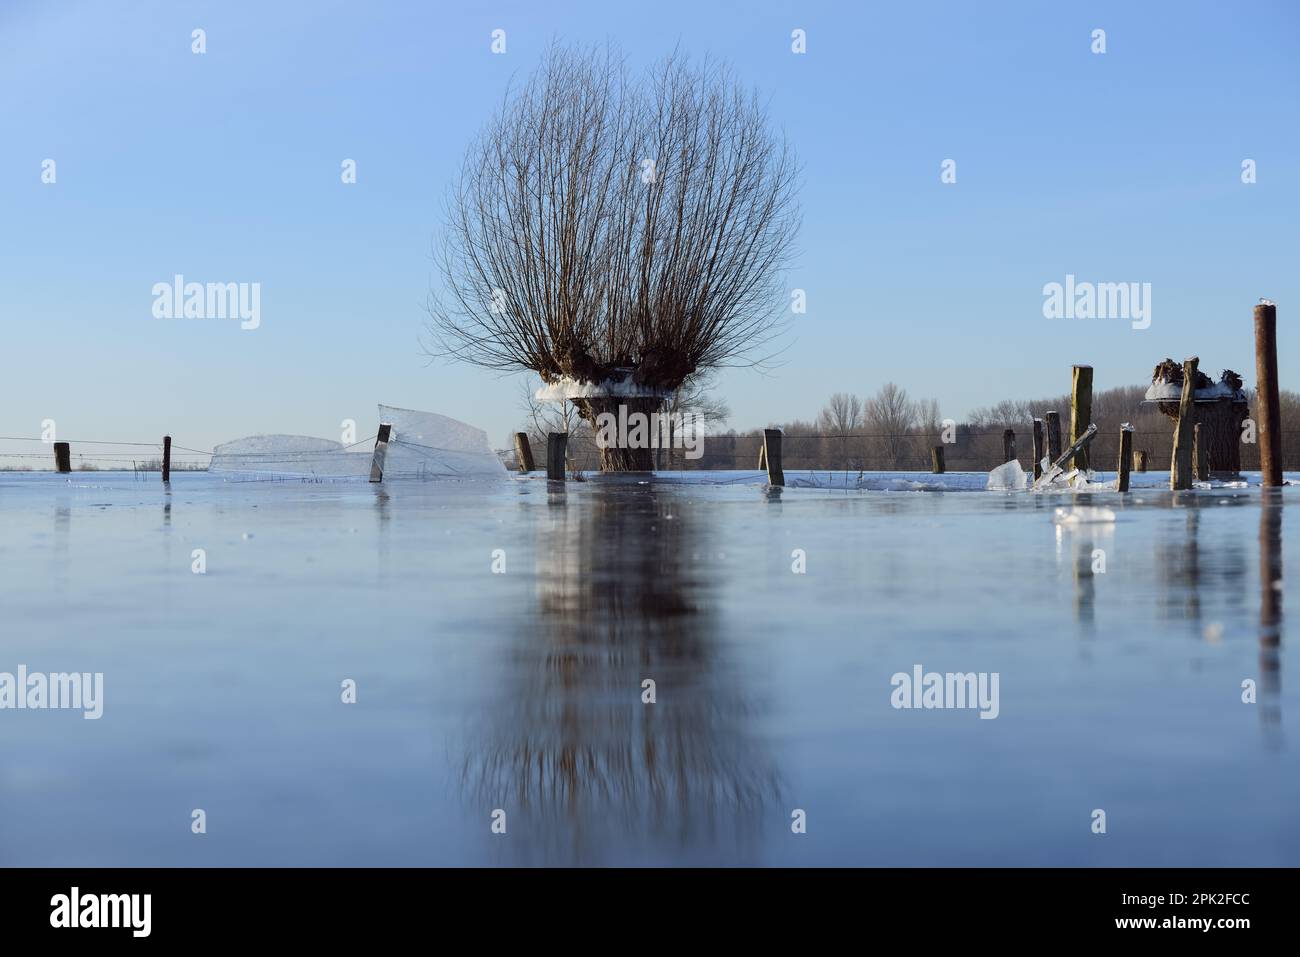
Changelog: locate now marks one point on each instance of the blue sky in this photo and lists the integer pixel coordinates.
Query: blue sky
(225, 167)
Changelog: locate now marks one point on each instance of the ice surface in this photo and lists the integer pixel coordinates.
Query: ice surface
(221, 690)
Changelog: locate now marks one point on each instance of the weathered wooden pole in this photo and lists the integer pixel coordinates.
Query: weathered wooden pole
(1200, 453)
(381, 450)
(1266, 395)
(1008, 445)
(762, 457)
(556, 443)
(1053, 435)
(1080, 412)
(523, 452)
(167, 458)
(62, 457)
(1125, 455)
(1141, 456)
(772, 451)
(1038, 448)
(936, 460)
(1180, 470)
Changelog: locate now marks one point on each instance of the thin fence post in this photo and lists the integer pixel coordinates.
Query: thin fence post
(523, 452)
(1180, 472)
(1038, 448)
(381, 450)
(936, 460)
(1080, 412)
(167, 458)
(1141, 456)
(556, 442)
(62, 457)
(772, 451)
(1008, 445)
(1053, 436)
(762, 457)
(1125, 455)
(1266, 395)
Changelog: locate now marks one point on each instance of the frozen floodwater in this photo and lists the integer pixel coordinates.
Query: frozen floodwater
(1121, 649)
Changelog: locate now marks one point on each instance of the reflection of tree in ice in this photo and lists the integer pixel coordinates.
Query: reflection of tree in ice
(571, 751)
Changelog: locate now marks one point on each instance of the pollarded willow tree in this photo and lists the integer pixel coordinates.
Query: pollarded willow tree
(617, 235)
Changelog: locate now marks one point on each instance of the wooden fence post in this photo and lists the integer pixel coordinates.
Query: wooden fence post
(523, 452)
(1125, 455)
(556, 443)
(381, 450)
(1080, 412)
(772, 452)
(936, 460)
(1200, 454)
(167, 458)
(1053, 436)
(1038, 449)
(62, 457)
(1180, 470)
(1266, 395)
(1008, 445)
(762, 457)
(1141, 456)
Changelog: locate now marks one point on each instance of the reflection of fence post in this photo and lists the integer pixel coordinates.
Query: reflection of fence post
(1080, 412)
(167, 458)
(556, 442)
(1125, 456)
(523, 452)
(1141, 456)
(1266, 395)
(1053, 436)
(62, 457)
(1180, 471)
(381, 450)
(772, 452)
(1038, 449)
(936, 460)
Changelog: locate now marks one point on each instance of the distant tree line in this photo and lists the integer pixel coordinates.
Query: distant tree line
(890, 431)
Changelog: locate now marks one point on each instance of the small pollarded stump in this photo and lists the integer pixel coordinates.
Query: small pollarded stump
(1220, 411)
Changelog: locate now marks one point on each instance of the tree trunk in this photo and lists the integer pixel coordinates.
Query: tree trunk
(1221, 434)
(633, 445)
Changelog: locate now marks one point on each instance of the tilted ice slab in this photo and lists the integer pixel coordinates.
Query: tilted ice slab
(422, 445)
